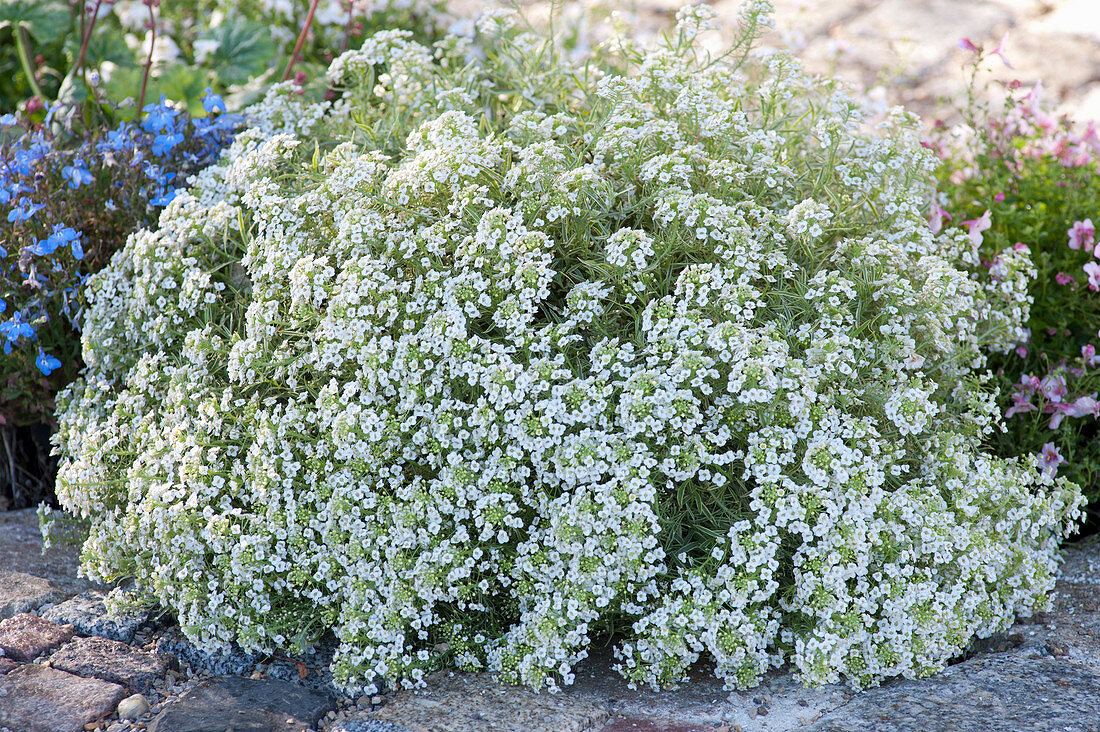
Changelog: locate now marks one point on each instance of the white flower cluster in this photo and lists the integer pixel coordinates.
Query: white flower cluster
(494, 357)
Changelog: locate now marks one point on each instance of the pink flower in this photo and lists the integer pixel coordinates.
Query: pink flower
(1084, 406)
(1092, 269)
(936, 216)
(1090, 137)
(966, 44)
(1000, 50)
(1088, 354)
(1021, 402)
(975, 227)
(1020, 247)
(1063, 279)
(999, 197)
(1053, 387)
(1057, 413)
(1081, 235)
(1050, 459)
(1021, 351)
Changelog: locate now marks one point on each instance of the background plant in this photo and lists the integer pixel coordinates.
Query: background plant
(66, 206)
(141, 50)
(1022, 177)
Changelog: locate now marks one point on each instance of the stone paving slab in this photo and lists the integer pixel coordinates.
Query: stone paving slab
(25, 637)
(21, 592)
(87, 613)
(1020, 691)
(113, 661)
(243, 705)
(35, 698)
(457, 702)
(21, 548)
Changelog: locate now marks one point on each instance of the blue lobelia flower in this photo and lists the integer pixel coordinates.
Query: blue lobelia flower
(164, 198)
(46, 363)
(77, 174)
(211, 102)
(61, 236)
(163, 144)
(25, 210)
(15, 329)
(158, 116)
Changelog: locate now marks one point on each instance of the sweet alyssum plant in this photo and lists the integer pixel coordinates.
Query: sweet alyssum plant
(491, 358)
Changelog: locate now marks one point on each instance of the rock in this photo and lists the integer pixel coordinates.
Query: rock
(368, 725)
(40, 699)
(21, 548)
(243, 705)
(132, 707)
(234, 661)
(112, 661)
(1019, 691)
(6, 665)
(636, 724)
(24, 637)
(20, 593)
(463, 702)
(87, 612)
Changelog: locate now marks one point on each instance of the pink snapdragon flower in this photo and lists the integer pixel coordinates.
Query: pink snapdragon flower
(999, 50)
(1082, 235)
(1053, 387)
(1088, 355)
(1050, 459)
(1081, 407)
(1021, 403)
(1092, 269)
(936, 216)
(1064, 279)
(975, 227)
(965, 44)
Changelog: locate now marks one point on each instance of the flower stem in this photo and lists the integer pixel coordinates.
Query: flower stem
(21, 43)
(301, 40)
(148, 61)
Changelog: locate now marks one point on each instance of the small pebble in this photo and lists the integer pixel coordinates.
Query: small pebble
(132, 707)
(364, 702)
(377, 701)
(762, 711)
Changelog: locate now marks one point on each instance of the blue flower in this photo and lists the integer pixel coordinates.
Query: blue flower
(164, 198)
(8, 120)
(117, 139)
(61, 236)
(77, 174)
(109, 204)
(46, 363)
(15, 329)
(158, 116)
(163, 144)
(211, 102)
(3, 305)
(25, 210)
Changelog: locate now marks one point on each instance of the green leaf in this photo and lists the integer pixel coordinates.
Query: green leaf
(46, 20)
(182, 84)
(245, 49)
(105, 45)
(178, 83)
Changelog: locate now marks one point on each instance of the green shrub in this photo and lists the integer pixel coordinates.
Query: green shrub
(1029, 180)
(491, 358)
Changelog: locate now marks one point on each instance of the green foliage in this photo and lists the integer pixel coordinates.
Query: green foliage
(1038, 179)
